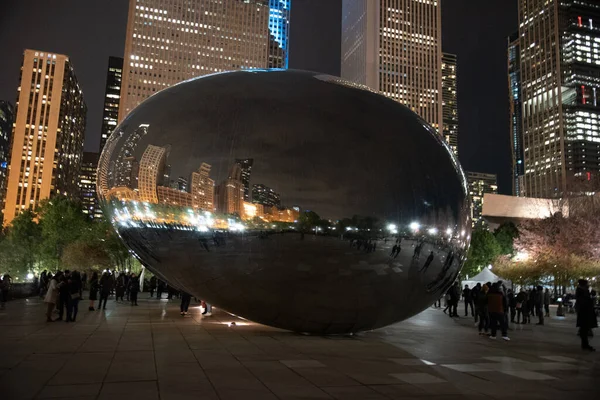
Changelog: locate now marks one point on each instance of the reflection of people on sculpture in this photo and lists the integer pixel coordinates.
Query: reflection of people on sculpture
(204, 243)
(418, 248)
(427, 262)
(394, 249)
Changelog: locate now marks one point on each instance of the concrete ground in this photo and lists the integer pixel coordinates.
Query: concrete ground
(151, 352)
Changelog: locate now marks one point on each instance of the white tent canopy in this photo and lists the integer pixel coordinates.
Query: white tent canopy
(486, 275)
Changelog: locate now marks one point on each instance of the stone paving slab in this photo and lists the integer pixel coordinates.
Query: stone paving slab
(152, 352)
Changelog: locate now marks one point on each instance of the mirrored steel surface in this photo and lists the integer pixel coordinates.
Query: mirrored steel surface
(290, 198)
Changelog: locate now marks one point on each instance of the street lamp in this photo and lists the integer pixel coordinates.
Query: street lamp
(414, 226)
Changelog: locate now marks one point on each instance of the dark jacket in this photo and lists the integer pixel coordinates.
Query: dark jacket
(482, 302)
(495, 301)
(586, 316)
(94, 286)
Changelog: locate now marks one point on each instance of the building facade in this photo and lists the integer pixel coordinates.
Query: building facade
(516, 115)
(394, 47)
(171, 41)
(87, 185)
(203, 189)
(279, 29)
(246, 166)
(152, 164)
(6, 125)
(266, 196)
(230, 193)
(112, 96)
(48, 134)
(450, 100)
(480, 184)
(560, 78)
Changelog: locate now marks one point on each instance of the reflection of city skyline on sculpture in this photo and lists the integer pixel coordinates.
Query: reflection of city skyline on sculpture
(148, 181)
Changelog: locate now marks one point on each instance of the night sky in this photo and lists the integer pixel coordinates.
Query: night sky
(90, 31)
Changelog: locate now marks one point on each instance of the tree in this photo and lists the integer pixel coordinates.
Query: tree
(483, 251)
(505, 235)
(19, 250)
(62, 222)
(308, 220)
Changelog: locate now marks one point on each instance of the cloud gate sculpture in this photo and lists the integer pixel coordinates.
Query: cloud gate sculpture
(289, 198)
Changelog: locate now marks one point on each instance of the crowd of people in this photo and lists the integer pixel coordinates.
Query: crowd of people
(63, 291)
(493, 307)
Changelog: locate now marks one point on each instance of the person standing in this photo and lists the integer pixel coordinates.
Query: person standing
(547, 302)
(63, 295)
(495, 301)
(185, 303)
(134, 288)
(51, 297)
(84, 281)
(93, 290)
(468, 300)
(481, 307)
(474, 295)
(512, 305)
(454, 298)
(105, 289)
(4, 290)
(586, 315)
(539, 304)
(120, 287)
(152, 285)
(75, 288)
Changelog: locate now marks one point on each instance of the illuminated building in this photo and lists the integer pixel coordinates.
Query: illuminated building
(171, 41)
(124, 171)
(246, 165)
(450, 101)
(152, 164)
(48, 133)
(180, 184)
(175, 197)
(394, 47)
(203, 189)
(560, 78)
(516, 115)
(112, 96)
(266, 196)
(87, 185)
(230, 193)
(6, 122)
(480, 184)
(279, 28)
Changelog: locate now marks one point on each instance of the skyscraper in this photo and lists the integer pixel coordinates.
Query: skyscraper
(246, 165)
(230, 193)
(48, 133)
(266, 196)
(516, 115)
(87, 185)
(112, 95)
(394, 47)
(279, 28)
(150, 175)
(480, 184)
(170, 41)
(6, 121)
(203, 188)
(560, 64)
(450, 100)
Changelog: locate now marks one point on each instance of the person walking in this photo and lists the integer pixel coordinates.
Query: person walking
(481, 307)
(185, 303)
(538, 298)
(586, 315)
(468, 300)
(94, 285)
(547, 302)
(134, 288)
(105, 289)
(495, 301)
(75, 286)
(51, 297)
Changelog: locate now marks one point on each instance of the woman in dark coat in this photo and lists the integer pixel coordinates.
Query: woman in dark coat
(586, 316)
(75, 288)
(94, 285)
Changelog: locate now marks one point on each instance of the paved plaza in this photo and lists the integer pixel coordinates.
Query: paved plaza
(151, 352)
